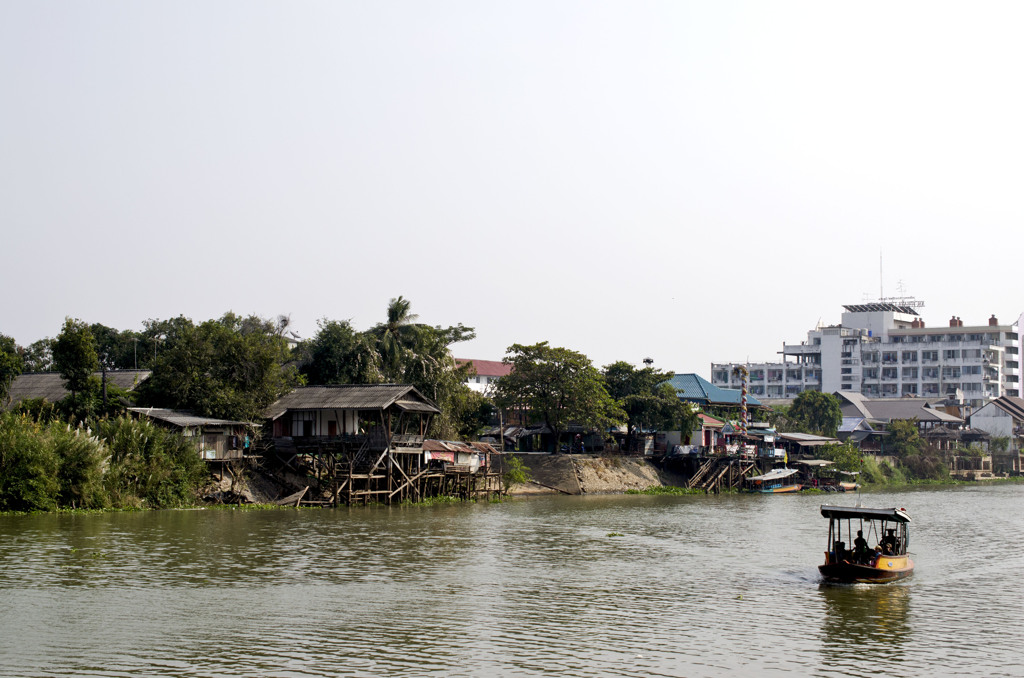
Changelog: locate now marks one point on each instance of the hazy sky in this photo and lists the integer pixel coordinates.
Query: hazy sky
(692, 182)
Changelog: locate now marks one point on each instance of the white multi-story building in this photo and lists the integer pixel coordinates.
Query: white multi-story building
(884, 350)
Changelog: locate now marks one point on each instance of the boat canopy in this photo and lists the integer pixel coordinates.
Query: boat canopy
(775, 474)
(857, 512)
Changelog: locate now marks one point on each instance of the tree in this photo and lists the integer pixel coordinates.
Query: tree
(118, 350)
(647, 399)
(470, 412)
(232, 368)
(846, 456)
(74, 356)
(418, 354)
(396, 339)
(10, 367)
(903, 440)
(37, 356)
(816, 412)
(558, 386)
(339, 355)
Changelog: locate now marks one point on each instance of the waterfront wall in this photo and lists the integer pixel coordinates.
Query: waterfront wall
(591, 474)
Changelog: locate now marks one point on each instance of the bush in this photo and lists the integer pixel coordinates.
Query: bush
(516, 473)
(926, 467)
(871, 473)
(80, 476)
(150, 466)
(28, 466)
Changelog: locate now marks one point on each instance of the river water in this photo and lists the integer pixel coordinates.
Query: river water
(694, 586)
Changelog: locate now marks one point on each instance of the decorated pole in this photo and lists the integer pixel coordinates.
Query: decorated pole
(742, 371)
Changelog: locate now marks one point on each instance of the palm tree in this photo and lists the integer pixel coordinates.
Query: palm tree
(397, 339)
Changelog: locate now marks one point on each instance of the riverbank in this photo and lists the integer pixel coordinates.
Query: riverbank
(592, 474)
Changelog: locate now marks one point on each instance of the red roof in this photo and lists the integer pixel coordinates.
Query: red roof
(487, 368)
(710, 422)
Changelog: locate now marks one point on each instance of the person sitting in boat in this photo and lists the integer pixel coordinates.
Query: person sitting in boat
(860, 547)
(875, 555)
(889, 543)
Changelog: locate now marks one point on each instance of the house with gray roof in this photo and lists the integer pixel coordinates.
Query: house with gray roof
(399, 411)
(1003, 418)
(217, 439)
(50, 385)
(885, 410)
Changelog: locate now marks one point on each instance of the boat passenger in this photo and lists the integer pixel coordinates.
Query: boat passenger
(889, 543)
(860, 547)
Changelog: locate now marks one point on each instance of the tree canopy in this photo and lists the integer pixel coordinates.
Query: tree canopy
(338, 354)
(10, 366)
(231, 368)
(647, 399)
(559, 387)
(816, 412)
(75, 357)
(400, 351)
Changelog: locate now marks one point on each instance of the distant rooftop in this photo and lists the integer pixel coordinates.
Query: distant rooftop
(875, 307)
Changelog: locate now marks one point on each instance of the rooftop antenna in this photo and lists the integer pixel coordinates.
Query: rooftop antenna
(881, 283)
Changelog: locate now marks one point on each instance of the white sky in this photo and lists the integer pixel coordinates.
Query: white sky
(693, 182)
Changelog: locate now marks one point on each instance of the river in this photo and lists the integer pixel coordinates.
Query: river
(581, 586)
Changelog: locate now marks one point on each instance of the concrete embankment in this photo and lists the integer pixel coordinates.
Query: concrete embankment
(591, 474)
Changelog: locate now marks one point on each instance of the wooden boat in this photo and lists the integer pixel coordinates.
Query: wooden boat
(776, 481)
(886, 561)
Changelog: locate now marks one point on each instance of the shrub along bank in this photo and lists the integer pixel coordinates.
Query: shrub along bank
(118, 463)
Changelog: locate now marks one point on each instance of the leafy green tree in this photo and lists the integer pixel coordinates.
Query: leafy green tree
(37, 356)
(558, 387)
(846, 456)
(118, 350)
(340, 355)
(647, 399)
(232, 368)
(816, 412)
(74, 356)
(471, 412)
(10, 367)
(903, 440)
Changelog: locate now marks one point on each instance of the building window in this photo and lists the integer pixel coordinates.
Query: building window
(910, 373)
(910, 356)
(303, 424)
(951, 354)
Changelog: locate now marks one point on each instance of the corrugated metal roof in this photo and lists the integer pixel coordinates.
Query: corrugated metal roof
(695, 388)
(182, 418)
(1011, 405)
(806, 439)
(351, 397)
(50, 385)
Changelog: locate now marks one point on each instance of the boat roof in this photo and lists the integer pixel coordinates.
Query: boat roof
(775, 474)
(895, 514)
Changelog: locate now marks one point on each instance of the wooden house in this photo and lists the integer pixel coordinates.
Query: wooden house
(216, 439)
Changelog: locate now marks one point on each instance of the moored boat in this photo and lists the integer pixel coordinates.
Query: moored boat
(776, 481)
(888, 560)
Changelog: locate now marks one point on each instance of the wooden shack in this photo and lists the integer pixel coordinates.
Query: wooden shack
(365, 442)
